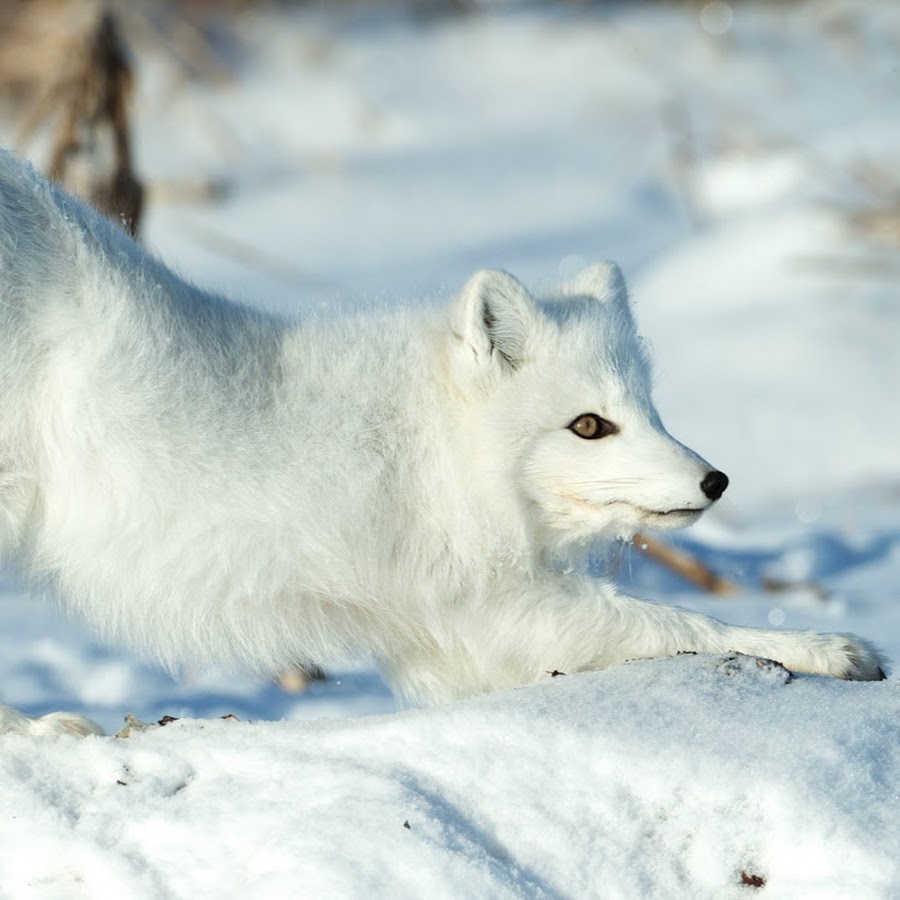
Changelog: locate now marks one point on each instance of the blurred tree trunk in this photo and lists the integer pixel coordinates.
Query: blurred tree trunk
(92, 148)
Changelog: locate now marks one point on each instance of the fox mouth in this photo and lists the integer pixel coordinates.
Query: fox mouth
(670, 518)
(677, 517)
(678, 512)
(673, 513)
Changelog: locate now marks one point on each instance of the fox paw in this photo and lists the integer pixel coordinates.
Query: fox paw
(861, 661)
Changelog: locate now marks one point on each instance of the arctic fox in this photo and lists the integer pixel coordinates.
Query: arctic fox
(206, 482)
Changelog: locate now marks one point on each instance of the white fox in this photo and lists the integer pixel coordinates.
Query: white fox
(206, 482)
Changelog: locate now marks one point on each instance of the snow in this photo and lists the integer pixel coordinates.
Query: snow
(719, 153)
(659, 778)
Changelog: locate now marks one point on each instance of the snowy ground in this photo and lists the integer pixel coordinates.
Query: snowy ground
(737, 163)
(666, 778)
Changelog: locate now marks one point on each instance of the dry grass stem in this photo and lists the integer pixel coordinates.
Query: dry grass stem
(688, 567)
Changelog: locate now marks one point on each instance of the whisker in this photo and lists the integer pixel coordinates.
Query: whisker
(612, 482)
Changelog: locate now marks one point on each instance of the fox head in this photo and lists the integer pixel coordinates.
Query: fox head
(558, 407)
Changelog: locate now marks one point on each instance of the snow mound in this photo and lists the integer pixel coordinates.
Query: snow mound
(697, 776)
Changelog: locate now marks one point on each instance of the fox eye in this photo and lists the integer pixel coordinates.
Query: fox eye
(591, 427)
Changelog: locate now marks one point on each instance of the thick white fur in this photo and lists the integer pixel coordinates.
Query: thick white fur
(209, 483)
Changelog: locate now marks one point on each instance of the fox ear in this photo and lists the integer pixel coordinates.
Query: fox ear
(602, 281)
(492, 318)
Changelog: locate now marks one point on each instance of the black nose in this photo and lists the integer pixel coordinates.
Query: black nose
(714, 485)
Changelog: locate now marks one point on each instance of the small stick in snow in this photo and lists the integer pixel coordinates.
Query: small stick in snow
(699, 574)
(688, 567)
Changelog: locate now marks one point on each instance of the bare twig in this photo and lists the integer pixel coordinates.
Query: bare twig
(688, 567)
(87, 93)
(772, 585)
(176, 30)
(92, 150)
(699, 574)
(298, 678)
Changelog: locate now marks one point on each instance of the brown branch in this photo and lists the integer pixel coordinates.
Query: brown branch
(700, 575)
(688, 567)
(92, 150)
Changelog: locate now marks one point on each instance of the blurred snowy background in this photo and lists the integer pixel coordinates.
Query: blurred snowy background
(741, 161)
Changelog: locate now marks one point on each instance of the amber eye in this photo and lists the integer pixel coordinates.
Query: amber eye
(591, 427)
